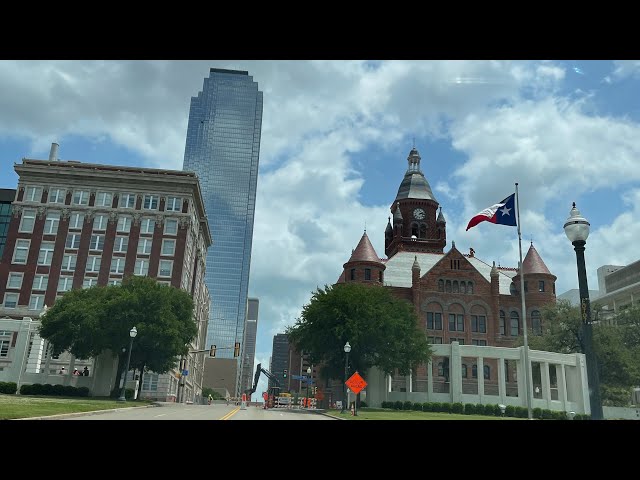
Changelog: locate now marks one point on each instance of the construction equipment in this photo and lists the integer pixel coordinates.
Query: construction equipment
(273, 391)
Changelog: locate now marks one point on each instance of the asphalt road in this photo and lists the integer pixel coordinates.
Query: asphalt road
(172, 411)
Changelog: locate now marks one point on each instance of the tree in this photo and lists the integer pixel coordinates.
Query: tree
(381, 329)
(86, 322)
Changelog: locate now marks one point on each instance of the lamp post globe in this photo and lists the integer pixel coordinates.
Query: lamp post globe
(347, 349)
(308, 381)
(132, 333)
(577, 230)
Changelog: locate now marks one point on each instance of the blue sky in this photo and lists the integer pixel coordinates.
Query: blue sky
(335, 138)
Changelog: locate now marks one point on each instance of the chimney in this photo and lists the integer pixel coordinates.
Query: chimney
(53, 154)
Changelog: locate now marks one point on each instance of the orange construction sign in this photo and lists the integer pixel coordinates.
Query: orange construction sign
(356, 383)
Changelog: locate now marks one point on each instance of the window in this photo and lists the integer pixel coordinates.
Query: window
(423, 230)
(69, 263)
(97, 242)
(100, 222)
(120, 245)
(536, 324)
(115, 281)
(474, 371)
(93, 264)
(150, 382)
(367, 274)
(65, 283)
(440, 369)
(150, 202)
(89, 282)
(479, 323)
(46, 253)
(73, 241)
(168, 247)
(541, 285)
(447, 286)
(15, 280)
(435, 340)
(455, 264)
(144, 246)
(80, 197)
(165, 268)
(40, 282)
(174, 204)
(10, 300)
(33, 194)
(124, 224)
(512, 289)
(147, 225)
(460, 323)
(469, 287)
(141, 267)
(380, 277)
(464, 370)
(487, 372)
(127, 200)
(51, 223)
(463, 287)
(460, 340)
(75, 220)
(478, 342)
(515, 324)
(170, 226)
(104, 199)
(434, 320)
(352, 274)
(456, 288)
(21, 251)
(503, 330)
(36, 302)
(526, 287)
(4, 348)
(56, 195)
(117, 265)
(441, 285)
(27, 221)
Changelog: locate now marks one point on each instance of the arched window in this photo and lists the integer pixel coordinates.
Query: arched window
(447, 286)
(464, 370)
(536, 325)
(512, 289)
(463, 287)
(515, 324)
(423, 230)
(503, 330)
(414, 229)
(474, 371)
(487, 372)
(469, 287)
(441, 285)
(455, 286)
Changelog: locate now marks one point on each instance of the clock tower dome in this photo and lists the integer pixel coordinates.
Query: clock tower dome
(416, 225)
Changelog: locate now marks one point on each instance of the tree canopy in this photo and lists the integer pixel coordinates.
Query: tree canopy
(382, 330)
(86, 322)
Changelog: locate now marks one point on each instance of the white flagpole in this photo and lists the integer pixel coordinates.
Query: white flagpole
(527, 365)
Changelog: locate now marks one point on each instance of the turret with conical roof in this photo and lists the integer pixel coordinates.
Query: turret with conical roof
(414, 209)
(364, 266)
(537, 277)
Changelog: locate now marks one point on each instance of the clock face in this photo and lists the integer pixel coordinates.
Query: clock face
(418, 214)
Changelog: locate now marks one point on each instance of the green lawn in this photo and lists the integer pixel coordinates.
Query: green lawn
(385, 414)
(23, 406)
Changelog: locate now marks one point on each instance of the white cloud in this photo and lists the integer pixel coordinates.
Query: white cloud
(626, 68)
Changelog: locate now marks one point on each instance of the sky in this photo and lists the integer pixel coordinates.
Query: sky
(335, 139)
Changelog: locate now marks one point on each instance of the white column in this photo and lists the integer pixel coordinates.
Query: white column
(522, 391)
(455, 373)
(430, 380)
(631, 298)
(562, 387)
(546, 383)
(615, 307)
(408, 381)
(502, 387)
(480, 378)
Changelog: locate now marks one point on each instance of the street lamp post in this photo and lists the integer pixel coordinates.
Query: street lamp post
(577, 229)
(347, 349)
(132, 333)
(308, 381)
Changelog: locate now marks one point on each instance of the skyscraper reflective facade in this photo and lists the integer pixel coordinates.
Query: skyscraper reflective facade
(222, 148)
(250, 331)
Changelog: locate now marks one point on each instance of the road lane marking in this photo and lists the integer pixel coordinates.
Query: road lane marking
(161, 415)
(230, 414)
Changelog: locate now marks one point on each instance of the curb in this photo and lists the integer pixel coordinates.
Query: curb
(77, 414)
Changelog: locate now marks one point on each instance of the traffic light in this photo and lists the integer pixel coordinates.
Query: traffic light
(315, 390)
(212, 352)
(236, 349)
(285, 373)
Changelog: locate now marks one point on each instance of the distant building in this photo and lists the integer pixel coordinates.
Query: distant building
(619, 288)
(7, 195)
(220, 373)
(573, 296)
(250, 332)
(280, 360)
(75, 225)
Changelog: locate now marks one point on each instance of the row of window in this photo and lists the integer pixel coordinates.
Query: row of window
(514, 290)
(76, 219)
(443, 370)
(455, 286)
(514, 323)
(456, 322)
(96, 244)
(474, 341)
(103, 199)
(367, 275)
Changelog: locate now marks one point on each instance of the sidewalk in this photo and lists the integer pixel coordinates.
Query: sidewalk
(93, 412)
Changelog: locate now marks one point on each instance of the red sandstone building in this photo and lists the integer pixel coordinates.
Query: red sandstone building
(76, 224)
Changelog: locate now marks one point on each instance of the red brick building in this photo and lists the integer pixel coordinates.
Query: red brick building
(457, 297)
(76, 224)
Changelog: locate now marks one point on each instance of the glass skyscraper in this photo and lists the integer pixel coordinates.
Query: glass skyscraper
(222, 148)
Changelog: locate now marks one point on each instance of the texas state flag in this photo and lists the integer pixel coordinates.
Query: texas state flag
(503, 213)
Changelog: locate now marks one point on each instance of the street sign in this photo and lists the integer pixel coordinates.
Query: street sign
(356, 383)
(298, 377)
(185, 372)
